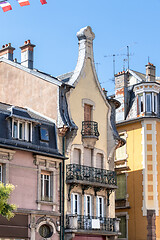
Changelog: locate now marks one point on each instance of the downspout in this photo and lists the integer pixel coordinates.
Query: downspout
(60, 207)
(63, 152)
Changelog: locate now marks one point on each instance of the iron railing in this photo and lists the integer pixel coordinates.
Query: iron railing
(82, 222)
(76, 172)
(90, 128)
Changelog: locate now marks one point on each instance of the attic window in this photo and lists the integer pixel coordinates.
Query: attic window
(44, 134)
(22, 130)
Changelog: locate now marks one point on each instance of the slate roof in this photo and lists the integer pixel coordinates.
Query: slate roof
(24, 113)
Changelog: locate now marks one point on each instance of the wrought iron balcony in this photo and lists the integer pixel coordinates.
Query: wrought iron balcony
(81, 222)
(90, 129)
(85, 175)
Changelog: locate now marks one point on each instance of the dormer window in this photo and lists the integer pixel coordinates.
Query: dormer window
(140, 103)
(44, 134)
(22, 130)
(147, 103)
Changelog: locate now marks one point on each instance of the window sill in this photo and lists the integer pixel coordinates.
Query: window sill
(50, 203)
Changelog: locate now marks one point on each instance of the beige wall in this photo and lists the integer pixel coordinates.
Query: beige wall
(22, 89)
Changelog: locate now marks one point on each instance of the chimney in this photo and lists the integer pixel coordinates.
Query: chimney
(121, 94)
(150, 72)
(27, 54)
(7, 51)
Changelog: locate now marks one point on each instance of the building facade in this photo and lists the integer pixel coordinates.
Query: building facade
(137, 162)
(90, 143)
(29, 155)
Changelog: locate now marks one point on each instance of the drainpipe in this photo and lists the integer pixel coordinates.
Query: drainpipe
(63, 151)
(60, 207)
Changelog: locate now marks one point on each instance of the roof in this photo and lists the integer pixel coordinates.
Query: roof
(24, 113)
(65, 77)
(35, 72)
(140, 75)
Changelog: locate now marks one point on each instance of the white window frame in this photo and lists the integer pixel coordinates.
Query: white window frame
(140, 100)
(25, 130)
(154, 102)
(74, 202)
(1, 173)
(86, 205)
(43, 174)
(150, 102)
(98, 206)
(123, 214)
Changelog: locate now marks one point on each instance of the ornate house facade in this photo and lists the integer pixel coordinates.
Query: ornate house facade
(137, 162)
(90, 142)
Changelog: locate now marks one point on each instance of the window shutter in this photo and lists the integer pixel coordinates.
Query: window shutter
(121, 183)
(102, 207)
(72, 210)
(91, 206)
(97, 207)
(85, 205)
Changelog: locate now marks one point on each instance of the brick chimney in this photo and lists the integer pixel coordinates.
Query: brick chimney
(150, 72)
(7, 51)
(27, 54)
(121, 94)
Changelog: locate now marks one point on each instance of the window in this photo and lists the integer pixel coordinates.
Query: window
(44, 134)
(87, 206)
(46, 231)
(99, 160)
(76, 156)
(121, 184)
(121, 153)
(0, 173)
(140, 103)
(88, 157)
(123, 227)
(75, 208)
(148, 102)
(22, 130)
(87, 112)
(45, 186)
(155, 103)
(100, 207)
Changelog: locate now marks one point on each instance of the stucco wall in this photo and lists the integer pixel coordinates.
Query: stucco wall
(137, 222)
(22, 89)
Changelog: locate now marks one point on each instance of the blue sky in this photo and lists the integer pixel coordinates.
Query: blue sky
(116, 24)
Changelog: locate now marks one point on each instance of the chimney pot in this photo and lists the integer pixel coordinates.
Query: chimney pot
(27, 54)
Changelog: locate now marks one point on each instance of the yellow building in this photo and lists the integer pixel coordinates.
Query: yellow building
(137, 163)
(90, 145)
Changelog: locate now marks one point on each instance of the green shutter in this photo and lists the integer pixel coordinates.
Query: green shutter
(121, 184)
(123, 227)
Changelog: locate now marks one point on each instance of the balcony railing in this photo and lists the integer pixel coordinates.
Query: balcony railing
(76, 173)
(90, 129)
(81, 222)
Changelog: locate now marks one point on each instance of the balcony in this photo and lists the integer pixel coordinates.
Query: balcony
(84, 175)
(89, 133)
(92, 225)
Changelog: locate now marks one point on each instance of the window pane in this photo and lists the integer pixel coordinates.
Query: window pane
(15, 130)
(123, 226)
(148, 102)
(155, 103)
(121, 184)
(45, 186)
(20, 131)
(44, 134)
(140, 104)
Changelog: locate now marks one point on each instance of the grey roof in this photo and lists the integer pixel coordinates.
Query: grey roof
(35, 72)
(23, 113)
(65, 77)
(140, 75)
